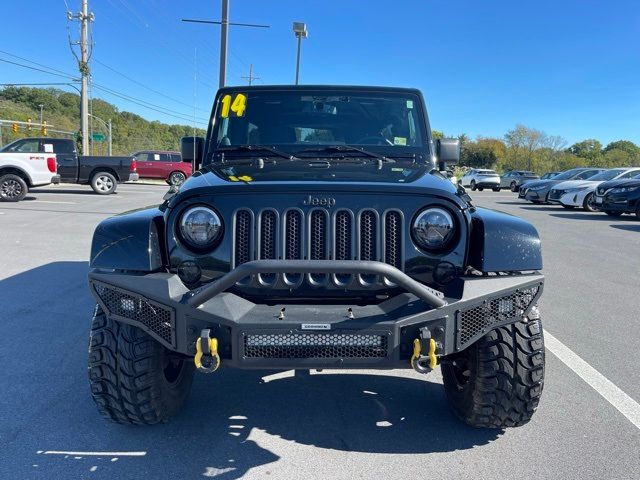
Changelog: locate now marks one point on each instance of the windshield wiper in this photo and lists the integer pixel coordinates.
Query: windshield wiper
(257, 149)
(345, 149)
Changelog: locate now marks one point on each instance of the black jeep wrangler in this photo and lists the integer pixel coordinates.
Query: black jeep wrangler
(317, 232)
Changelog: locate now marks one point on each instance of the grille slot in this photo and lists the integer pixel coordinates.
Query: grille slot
(343, 241)
(476, 321)
(368, 240)
(314, 345)
(242, 237)
(393, 239)
(293, 246)
(318, 242)
(268, 241)
(158, 318)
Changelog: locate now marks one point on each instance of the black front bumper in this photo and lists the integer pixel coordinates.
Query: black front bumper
(256, 335)
(620, 202)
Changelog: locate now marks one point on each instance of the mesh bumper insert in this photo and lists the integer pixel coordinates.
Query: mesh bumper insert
(314, 345)
(120, 304)
(474, 322)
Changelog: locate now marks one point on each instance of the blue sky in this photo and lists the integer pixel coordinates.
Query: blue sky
(569, 67)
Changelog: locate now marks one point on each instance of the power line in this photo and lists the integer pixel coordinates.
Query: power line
(130, 97)
(145, 86)
(180, 116)
(36, 63)
(37, 69)
(135, 100)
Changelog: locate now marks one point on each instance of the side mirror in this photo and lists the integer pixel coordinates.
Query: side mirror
(448, 152)
(192, 150)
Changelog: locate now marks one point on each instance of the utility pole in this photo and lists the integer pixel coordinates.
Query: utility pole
(251, 77)
(224, 36)
(84, 70)
(84, 17)
(110, 150)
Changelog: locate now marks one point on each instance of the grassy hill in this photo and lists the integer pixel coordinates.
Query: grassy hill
(131, 132)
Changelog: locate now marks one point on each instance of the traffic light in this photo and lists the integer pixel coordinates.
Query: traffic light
(14, 128)
(28, 124)
(44, 128)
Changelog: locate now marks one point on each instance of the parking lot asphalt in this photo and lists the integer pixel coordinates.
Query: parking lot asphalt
(363, 424)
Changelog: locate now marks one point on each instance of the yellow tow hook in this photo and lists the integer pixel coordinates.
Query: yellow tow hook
(207, 359)
(421, 363)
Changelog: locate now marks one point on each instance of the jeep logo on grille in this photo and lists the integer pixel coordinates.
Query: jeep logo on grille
(312, 201)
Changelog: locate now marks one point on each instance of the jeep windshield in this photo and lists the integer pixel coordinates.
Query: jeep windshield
(321, 123)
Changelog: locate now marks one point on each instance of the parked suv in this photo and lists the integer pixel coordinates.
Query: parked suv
(480, 179)
(163, 164)
(513, 179)
(317, 234)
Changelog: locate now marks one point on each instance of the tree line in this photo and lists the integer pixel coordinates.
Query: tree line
(525, 148)
(131, 132)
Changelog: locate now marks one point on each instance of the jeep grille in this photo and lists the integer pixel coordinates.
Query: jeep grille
(318, 235)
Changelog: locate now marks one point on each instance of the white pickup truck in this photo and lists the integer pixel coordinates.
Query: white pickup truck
(24, 168)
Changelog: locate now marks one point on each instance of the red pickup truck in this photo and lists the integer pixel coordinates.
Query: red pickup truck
(162, 164)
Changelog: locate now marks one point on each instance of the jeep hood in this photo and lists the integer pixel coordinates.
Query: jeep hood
(313, 174)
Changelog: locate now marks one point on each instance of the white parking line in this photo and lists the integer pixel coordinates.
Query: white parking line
(611, 393)
(96, 454)
(52, 201)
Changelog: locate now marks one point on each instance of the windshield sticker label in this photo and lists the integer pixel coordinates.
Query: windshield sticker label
(409, 103)
(315, 326)
(237, 105)
(243, 178)
(399, 140)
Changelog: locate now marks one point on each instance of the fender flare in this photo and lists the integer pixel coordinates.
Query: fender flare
(501, 242)
(130, 241)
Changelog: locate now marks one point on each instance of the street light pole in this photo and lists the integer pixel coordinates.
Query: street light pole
(300, 30)
(107, 125)
(41, 107)
(224, 35)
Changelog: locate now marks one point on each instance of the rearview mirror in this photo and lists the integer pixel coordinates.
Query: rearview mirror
(448, 152)
(192, 149)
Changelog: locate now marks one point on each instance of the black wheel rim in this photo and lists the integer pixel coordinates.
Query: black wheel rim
(10, 188)
(172, 370)
(461, 371)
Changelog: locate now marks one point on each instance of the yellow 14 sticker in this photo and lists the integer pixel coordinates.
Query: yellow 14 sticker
(237, 106)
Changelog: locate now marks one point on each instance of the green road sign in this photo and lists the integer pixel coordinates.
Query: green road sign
(97, 137)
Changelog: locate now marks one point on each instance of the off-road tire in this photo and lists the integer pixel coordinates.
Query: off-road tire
(480, 189)
(496, 189)
(127, 374)
(176, 178)
(104, 183)
(473, 185)
(612, 213)
(505, 376)
(12, 188)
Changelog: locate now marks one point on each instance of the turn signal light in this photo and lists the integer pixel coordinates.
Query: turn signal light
(52, 165)
(133, 167)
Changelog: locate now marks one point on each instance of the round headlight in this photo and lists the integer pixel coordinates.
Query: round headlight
(433, 229)
(200, 227)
